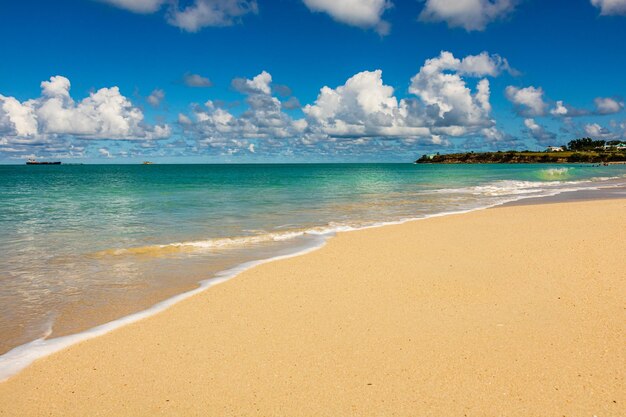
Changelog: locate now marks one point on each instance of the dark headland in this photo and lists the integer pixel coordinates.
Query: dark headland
(583, 150)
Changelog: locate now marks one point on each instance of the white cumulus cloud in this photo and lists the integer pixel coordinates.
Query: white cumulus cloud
(264, 117)
(194, 16)
(442, 104)
(450, 102)
(603, 106)
(528, 101)
(104, 114)
(614, 131)
(203, 13)
(361, 13)
(449, 97)
(363, 106)
(539, 133)
(608, 105)
(16, 118)
(104, 152)
(559, 109)
(184, 119)
(260, 84)
(138, 6)
(467, 14)
(196, 80)
(565, 110)
(610, 7)
(156, 97)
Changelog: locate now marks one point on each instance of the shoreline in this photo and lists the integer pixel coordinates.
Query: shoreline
(112, 275)
(260, 280)
(20, 357)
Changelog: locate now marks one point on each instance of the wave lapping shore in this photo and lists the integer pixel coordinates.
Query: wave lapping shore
(510, 311)
(118, 244)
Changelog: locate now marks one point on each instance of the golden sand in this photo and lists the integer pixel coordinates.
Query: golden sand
(515, 311)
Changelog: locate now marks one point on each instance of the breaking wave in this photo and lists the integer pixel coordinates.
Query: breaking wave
(217, 243)
(555, 173)
(472, 197)
(513, 188)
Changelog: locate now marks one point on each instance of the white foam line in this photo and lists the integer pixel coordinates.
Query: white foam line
(20, 357)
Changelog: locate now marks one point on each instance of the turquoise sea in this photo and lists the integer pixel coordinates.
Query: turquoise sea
(82, 245)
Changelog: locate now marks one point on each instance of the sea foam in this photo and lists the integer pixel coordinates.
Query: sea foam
(505, 191)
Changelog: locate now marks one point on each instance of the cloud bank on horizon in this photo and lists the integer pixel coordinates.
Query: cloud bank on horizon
(362, 113)
(447, 102)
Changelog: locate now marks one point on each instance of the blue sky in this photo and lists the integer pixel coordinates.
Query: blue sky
(241, 81)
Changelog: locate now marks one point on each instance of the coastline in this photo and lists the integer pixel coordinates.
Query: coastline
(20, 357)
(102, 277)
(335, 279)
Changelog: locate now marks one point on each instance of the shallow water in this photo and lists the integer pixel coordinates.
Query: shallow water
(83, 245)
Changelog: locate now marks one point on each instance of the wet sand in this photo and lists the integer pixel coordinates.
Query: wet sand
(515, 311)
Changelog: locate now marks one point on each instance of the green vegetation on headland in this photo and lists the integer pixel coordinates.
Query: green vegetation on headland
(583, 150)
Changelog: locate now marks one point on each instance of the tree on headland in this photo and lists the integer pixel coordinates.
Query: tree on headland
(585, 144)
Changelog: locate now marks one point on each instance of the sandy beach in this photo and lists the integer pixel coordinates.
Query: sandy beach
(512, 311)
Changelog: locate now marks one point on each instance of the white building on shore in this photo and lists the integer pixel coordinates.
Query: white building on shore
(554, 149)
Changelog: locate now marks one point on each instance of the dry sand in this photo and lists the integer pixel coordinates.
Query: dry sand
(515, 311)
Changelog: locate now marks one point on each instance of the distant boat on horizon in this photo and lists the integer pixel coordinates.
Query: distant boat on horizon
(148, 163)
(32, 161)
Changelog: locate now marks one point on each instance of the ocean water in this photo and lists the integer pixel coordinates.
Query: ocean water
(83, 245)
